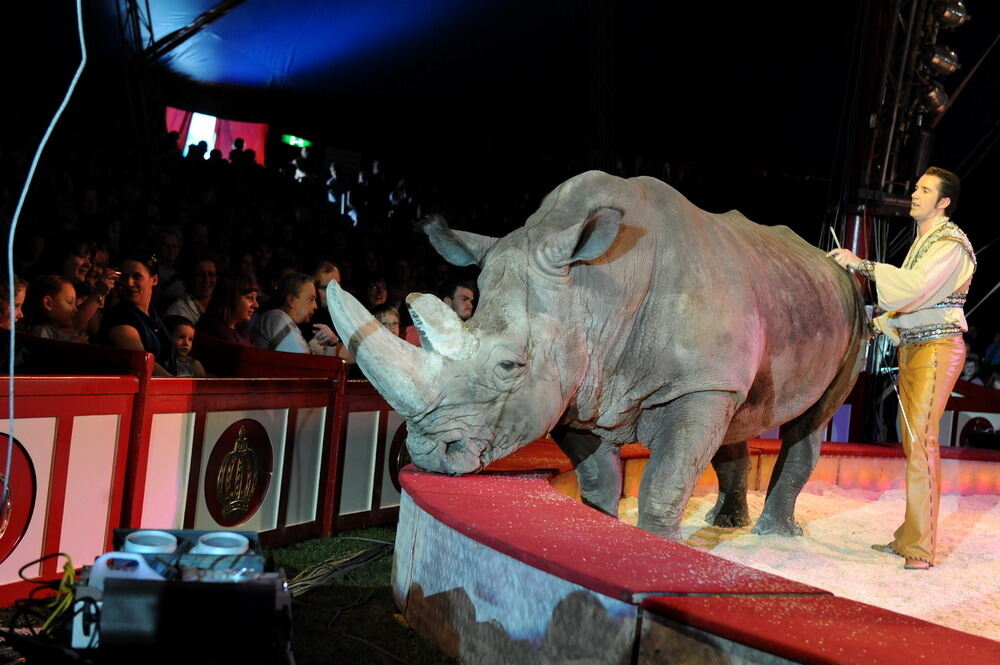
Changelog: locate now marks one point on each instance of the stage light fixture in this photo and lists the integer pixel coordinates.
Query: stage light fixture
(951, 13)
(935, 98)
(941, 60)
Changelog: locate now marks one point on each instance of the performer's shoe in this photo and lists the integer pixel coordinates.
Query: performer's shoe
(885, 549)
(917, 564)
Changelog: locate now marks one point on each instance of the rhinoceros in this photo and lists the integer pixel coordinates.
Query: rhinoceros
(621, 312)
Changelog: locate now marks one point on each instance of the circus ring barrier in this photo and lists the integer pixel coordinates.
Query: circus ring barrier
(508, 566)
(290, 454)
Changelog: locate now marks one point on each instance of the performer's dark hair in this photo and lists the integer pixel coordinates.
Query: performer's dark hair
(950, 186)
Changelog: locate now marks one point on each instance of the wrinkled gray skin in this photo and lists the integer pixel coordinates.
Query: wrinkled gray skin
(622, 312)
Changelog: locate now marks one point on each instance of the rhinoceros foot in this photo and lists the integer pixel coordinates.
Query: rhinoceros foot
(768, 526)
(660, 528)
(728, 519)
(730, 510)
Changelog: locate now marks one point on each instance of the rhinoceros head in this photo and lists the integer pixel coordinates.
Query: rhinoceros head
(477, 390)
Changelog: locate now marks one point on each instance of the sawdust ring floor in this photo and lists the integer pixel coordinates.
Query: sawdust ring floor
(961, 592)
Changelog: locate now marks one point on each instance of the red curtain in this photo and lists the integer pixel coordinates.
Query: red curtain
(254, 135)
(179, 121)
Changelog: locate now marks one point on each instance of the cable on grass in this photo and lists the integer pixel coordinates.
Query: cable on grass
(325, 572)
(376, 648)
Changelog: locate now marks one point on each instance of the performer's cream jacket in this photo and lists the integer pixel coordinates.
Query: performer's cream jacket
(939, 264)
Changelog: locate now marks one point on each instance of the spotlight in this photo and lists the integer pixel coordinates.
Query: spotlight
(935, 98)
(951, 13)
(942, 60)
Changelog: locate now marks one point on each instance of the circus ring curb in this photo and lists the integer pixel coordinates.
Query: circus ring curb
(502, 568)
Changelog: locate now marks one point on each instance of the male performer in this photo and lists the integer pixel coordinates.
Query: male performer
(923, 303)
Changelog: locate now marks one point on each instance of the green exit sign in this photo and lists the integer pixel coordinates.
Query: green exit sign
(296, 141)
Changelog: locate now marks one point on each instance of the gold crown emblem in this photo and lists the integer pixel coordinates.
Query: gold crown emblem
(237, 479)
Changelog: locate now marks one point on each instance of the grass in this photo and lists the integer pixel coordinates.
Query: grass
(352, 618)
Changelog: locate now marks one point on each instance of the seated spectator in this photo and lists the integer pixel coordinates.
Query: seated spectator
(72, 261)
(99, 287)
(388, 316)
(970, 372)
(52, 308)
(376, 293)
(994, 381)
(134, 324)
(194, 302)
(326, 271)
(278, 329)
(11, 315)
(991, 358)
(460, 297)
(170, 286)
(233, 304)
(335, 188)
(182, 335)
(10, 310)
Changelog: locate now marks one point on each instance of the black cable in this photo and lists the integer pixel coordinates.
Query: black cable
(337, 611)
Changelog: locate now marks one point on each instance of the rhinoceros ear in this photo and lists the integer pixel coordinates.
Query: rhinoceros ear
(458, 248)
(581, 242)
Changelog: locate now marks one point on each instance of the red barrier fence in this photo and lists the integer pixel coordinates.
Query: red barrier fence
(296, 452)
(289, 453)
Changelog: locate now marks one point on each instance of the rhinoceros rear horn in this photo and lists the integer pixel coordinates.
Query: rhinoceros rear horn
(584, 241)
(439, 326)
(458, 248)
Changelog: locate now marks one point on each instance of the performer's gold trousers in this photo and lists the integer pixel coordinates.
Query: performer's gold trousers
(927, 374)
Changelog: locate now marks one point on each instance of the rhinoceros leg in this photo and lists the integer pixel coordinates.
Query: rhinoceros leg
(796, 461)
(800, 447)
(731, 464)
(682, 437)
(598, 467)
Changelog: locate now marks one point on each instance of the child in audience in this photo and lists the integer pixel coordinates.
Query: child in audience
(182, 335)
(10, 305)
(53, 308)
(388, 316)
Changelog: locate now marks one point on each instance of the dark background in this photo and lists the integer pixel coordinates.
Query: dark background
(740, 105)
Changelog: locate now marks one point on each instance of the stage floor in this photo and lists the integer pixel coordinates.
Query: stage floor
(961, 592)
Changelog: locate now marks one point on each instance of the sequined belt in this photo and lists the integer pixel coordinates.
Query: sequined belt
(927, 333)
(954, 300)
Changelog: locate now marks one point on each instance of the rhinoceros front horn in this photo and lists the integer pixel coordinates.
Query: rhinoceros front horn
(439, 326)
(404, 374)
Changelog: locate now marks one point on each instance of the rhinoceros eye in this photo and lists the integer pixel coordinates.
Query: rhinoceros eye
(510, 366)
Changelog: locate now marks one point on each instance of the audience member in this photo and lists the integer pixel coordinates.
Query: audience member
(325, 271)
(193, 303)
(236, 154)
(6, 302)
(72, 260)
(171, 286)
(994, 381)
(52, 307)
(970, 372)
(182, 335)
(335, 189)
(134, 324)
(233, 304)
(388, 316)
(10, 310)
(460, 297)
(278, 329)
(376, 293)
(96, 292)
(991, 358)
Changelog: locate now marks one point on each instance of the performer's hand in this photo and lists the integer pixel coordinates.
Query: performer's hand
(845, 258)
